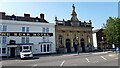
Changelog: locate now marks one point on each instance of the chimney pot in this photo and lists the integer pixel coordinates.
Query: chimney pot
(2, 15)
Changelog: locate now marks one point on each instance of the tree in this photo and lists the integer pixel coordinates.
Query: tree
(112, 31)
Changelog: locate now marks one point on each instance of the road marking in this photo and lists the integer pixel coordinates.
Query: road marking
(87, 59)
(103, 57)
(62, 63)
(34, 65)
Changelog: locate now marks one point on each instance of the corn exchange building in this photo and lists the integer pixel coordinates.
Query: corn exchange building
(73, 35)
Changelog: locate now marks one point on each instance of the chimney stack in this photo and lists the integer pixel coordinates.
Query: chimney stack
(26, 15)
(2, 15)
(42, 16)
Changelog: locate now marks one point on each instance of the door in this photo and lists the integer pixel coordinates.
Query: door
(12, 52)
(83, 45)
(68, 46)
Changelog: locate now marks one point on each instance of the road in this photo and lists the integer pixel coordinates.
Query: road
(86, 59)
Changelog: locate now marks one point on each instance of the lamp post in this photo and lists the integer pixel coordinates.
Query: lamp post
(102, 43)
(77, 45)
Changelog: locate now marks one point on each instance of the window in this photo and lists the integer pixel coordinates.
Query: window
(44, 48)
(41, 48)
(0, 28)
(4, 40)
(27, 29)
(4, 28)
(3, 50)
(0, 50)
(23, 39)
(48, 48)
(31, 48)
(27, 39)
(47, 30)
(43, 30)
(23, 29)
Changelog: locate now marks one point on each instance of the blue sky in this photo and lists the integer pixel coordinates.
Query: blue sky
(98, 12)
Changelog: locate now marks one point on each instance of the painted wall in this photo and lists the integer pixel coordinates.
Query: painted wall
(16, 26)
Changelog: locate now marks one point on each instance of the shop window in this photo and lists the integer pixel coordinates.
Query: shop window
(3, 50)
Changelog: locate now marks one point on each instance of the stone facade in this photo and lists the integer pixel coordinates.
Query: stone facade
(73, 35)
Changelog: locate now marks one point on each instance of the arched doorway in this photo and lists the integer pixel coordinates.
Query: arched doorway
(82, 45)
(68, 46)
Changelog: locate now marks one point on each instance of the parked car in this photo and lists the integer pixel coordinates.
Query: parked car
(26, 54)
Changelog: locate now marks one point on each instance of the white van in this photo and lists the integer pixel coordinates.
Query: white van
(26, 54)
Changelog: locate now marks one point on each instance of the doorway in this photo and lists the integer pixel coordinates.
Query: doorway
(12, 52)
(68, 46)
(82, 45)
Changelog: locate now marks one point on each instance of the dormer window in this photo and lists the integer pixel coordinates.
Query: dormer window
(13, 17)
(36, 19)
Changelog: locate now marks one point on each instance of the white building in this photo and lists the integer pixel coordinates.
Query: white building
(18, 33)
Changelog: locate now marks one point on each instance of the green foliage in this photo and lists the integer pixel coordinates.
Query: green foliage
(112, 30)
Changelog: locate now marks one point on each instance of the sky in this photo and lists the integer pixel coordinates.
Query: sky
(97, 12)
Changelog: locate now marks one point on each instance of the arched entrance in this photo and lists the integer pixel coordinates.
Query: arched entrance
(68, 46)
(82, 45)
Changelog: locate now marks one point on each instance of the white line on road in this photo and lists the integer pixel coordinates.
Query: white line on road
(34, 65)
(87, 59)
(103, 57)
(62, 63)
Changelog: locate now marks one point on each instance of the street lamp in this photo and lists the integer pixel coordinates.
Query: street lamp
(77, 44)
(102, 43)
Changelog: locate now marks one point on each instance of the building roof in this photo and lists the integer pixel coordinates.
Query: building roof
(26, 17)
